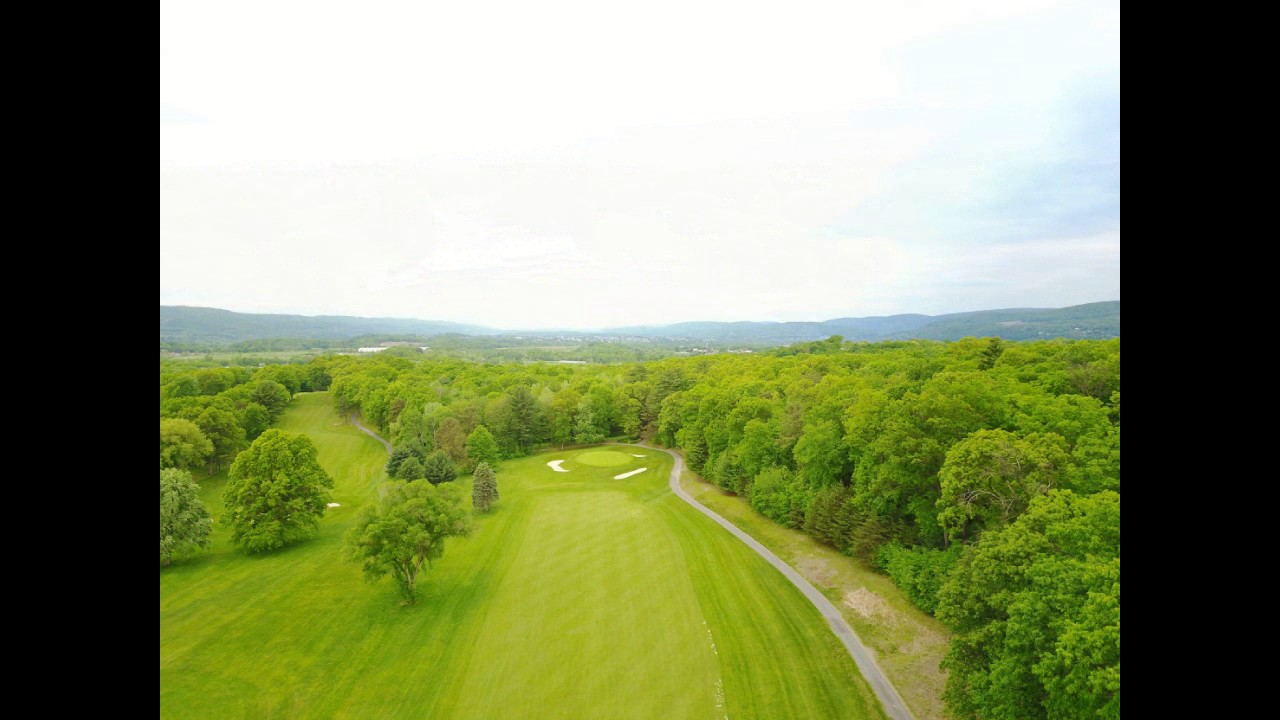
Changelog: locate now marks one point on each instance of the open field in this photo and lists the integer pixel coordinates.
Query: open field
(580, 597)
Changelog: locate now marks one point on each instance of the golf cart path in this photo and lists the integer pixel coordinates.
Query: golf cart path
(355, 420)
(889, 698)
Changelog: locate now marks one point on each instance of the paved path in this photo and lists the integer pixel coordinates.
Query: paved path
(892, 702)
(355, 420)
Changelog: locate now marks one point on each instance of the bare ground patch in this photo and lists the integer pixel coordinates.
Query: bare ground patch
(869, 605)
(816, 570)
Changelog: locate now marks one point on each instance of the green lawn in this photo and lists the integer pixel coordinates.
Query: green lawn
(908, 642)
(580, 597)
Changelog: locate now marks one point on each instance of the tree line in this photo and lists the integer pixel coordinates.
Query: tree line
(931, 460)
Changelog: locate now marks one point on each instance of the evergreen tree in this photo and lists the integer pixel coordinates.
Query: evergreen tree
(410, 469)
(484, 491)
(398, 458)
(439, 468)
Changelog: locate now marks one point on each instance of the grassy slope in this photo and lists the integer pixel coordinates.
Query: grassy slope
(580, 597)
(908, 642)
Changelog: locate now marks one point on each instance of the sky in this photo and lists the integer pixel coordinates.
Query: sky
(587, 164)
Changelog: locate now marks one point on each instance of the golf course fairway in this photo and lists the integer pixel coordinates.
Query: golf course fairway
(580, 596)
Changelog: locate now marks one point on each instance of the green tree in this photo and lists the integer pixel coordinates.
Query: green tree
(224, 431)
(920, 572)
(1035, 609)
(255, 420)
(631, 417)
(820, 454)
(410, 469)
(439, 468)
(450, 438)
(525, 419)
(564, 410)
(271, 395)
(398, 457)
(184, 523)
(405, 532)
(182, 445)
(991, 353)
(991, 476)
(586, 430)
(481, 447)
(484, 489)
(277, 492)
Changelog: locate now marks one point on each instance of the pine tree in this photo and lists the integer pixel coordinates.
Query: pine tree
(439, 468)
(410, 469)
(484, 491)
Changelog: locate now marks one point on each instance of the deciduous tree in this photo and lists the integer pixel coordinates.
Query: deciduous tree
(406, 532)
(1035, 607)
(481, 447)
(184, 522)
(277, 492)
(182, 445)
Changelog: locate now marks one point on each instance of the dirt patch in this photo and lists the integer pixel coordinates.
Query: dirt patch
(868, 604)
(926, 641)
(816, 570)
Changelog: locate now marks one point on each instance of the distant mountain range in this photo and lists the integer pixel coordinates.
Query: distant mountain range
(1093, 320)
(181, 323)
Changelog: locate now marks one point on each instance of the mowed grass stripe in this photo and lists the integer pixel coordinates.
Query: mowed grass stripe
(606, 628)
(581, 597)
(779, 659)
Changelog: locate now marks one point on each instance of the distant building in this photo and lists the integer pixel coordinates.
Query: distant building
(370, 349)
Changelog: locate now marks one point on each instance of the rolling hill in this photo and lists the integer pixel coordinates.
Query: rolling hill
(1092, 320)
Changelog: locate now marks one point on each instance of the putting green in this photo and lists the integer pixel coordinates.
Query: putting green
(603, 458)
(578, 597)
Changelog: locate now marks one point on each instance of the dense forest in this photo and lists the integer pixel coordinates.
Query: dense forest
(982, 475)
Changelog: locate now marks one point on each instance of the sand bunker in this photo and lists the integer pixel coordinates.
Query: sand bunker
(626, 475)
(555, 465)
(334, 505)
(635, 455)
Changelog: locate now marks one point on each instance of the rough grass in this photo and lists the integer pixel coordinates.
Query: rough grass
(908, 642)
(579, 597)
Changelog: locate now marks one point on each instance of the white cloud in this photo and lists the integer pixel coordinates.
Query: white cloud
(568, 164)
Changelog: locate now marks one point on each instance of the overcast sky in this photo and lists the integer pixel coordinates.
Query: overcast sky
(587, 164)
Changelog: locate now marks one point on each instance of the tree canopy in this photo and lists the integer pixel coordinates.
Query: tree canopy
(481, 447)
(184, 523)
(1036, 612)
(406, 532)
(277, 492)
(182, 444)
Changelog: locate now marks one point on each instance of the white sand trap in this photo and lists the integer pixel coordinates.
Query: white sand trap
(335, 505)
(635, 455)
(555, 465)
(626, 475)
